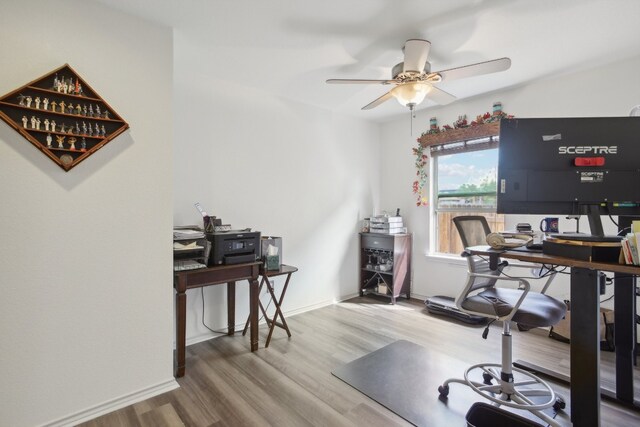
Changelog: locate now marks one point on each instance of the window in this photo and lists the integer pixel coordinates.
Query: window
(464, 184)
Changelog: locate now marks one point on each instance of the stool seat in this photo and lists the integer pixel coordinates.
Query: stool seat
(284, 270)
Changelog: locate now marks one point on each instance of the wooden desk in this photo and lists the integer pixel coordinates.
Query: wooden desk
(585, 329)
(228, 274)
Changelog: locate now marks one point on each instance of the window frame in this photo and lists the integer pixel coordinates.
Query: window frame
(434, 211)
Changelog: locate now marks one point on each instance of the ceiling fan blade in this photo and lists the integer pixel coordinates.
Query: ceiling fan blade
(478, 69)
(440, 97)
(416, 52)
(378, 101)
(360, 81)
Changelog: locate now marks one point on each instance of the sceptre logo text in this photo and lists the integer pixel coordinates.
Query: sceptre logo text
(596, 149)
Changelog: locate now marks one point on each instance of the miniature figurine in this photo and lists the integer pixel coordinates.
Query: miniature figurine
(98, 114)
(63, 128)
(55, 82)
(33, 122)
(24, 121)
(97, 130)
(72, 143)
(70, 108)
(65, 87)
(90, 110)
(46, 124)
(28, 99)
(53, 125)
(37, 101)
(38, 123)
(49, 140)
(53, 106)
(84, 110)
(78, 109)
(60, 140)
(103, 131)
(84, 128)
(21, 98)
(77, 129)
(106, 114)
(45, 103)
(62, 106)
(90, 130)
(83, 145)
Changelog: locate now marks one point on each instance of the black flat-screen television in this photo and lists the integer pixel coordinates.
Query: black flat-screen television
(570, 166)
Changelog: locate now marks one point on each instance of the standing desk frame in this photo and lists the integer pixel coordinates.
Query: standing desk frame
(585, 329)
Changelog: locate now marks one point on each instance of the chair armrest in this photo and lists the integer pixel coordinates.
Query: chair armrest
(524, 286)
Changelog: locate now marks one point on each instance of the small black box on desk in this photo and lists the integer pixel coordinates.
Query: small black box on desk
(582, 250)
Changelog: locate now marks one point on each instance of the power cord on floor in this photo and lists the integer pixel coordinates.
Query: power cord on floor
(224, 332)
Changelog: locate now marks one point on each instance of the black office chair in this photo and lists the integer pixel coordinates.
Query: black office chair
(482, 297)
(473, 231)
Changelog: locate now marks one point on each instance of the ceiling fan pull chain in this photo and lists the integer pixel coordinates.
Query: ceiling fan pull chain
(412, 114)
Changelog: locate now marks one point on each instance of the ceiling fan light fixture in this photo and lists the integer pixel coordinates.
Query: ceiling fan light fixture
(411, 94)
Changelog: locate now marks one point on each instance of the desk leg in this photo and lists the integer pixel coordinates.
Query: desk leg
(585, 347)
(264, 313)
(231, 308)
(254, 294)
(625, 337)
(278, 304)
(181, 319)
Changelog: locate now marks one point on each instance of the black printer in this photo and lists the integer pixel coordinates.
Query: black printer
(233, 247)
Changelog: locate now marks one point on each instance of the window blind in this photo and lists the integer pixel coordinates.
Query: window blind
(464, 146)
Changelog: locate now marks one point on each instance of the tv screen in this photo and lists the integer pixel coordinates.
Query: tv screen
(570, 166)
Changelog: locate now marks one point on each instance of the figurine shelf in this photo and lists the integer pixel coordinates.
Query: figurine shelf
(62, 116)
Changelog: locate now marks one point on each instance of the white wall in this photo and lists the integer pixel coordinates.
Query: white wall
(605, 91)
(86, 308)
(280, 167)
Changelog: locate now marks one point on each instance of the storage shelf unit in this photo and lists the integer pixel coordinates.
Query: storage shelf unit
(67, 121)
(385, 251)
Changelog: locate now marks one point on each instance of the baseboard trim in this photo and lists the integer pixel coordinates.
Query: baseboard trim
(239, 327)
(114, 404)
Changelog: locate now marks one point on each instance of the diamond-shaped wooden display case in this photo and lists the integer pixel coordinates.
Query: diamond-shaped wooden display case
(62, 116)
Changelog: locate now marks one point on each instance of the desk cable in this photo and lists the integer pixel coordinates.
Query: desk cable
(223, 332)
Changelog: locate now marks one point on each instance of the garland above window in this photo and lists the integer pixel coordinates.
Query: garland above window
(462, 137)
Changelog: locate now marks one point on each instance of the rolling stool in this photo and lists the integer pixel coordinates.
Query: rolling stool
(272, 323)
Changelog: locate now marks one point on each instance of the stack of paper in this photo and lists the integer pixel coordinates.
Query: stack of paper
(187, 233)
(387, 225)
(187, 264)
(177, 246)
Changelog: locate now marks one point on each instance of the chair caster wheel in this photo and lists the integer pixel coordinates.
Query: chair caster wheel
(443, 390)
(560, 404)
(487, 378)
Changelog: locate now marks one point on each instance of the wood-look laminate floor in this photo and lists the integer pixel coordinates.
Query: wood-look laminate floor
(290, 383)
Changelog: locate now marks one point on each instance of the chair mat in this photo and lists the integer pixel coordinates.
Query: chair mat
(404, 377)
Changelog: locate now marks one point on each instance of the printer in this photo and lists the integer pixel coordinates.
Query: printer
(233, 247)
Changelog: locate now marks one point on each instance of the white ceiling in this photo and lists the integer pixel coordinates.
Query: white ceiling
(290, 47)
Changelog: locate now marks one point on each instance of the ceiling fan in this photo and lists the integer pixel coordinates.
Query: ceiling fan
(414, 80)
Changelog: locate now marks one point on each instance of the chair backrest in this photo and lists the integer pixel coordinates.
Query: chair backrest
(473, 230)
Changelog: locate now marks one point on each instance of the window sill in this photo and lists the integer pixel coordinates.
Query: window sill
(445, 258)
